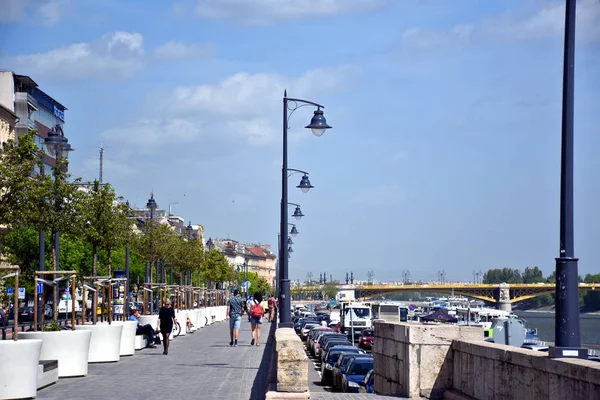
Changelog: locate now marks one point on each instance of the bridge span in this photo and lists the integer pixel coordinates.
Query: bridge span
(502, 294)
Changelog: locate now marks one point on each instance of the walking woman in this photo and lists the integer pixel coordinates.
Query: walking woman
(166, 320)
(256, 313)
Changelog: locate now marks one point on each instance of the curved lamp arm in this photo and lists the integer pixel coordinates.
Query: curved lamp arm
(296, 171)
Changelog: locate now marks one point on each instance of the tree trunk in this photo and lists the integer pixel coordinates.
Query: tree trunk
(94, 274)
(55, 288)
(109, 261)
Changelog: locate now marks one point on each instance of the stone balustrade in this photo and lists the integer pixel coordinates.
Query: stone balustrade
(454, 362)
(291, 366)
(486, 370)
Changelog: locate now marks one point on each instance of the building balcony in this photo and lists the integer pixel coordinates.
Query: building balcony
(25, 105)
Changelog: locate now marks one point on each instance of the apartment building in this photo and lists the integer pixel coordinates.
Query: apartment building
(34, 110)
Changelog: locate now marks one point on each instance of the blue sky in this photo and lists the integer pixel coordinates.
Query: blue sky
(445, 152)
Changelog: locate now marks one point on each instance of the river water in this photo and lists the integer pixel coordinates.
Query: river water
(544, 322)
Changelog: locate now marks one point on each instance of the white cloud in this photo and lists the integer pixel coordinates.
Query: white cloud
(435, 39)
(48, 12)
(149, 135)
(548, 22)
(12, 10)
(241, 110)
(117, 54)
(51, 12)
(244, 94)
(178, 50)
(270, 11)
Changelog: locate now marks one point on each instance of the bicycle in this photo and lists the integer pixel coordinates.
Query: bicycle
(176, 330)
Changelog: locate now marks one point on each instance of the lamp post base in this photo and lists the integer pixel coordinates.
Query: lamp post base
(567, 352)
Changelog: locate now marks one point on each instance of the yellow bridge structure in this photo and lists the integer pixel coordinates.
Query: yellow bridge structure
(503, 294)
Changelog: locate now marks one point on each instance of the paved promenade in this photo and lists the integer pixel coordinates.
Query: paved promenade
(199, 366)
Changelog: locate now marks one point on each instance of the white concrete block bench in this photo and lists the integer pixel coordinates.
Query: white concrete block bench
(69, 348)
(47, 373)
(105, 345)
(140, 341)
(127, 347)
(19, 368)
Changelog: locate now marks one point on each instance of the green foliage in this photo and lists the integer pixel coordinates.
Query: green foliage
(53, 327)
(533, 275)
(106, 223)
(330, 290)
(504, 275)
(258, 284)
(216, 268)
(21, 194)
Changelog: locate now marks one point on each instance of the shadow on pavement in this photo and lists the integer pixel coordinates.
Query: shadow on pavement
(259, 386)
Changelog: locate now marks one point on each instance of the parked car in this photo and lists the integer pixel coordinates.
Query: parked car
(333, 343)
(314, 333)
(366, 339)
(355, 373)
(367, 384)
(25, 314)
(320, 346)
(331, 358)
(340, 367)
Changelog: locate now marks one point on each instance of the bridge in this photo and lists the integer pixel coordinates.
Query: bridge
(502, 294)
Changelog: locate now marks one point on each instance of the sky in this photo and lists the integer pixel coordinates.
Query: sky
(446, 116)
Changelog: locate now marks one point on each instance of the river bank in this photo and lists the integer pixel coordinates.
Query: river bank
(552, 310)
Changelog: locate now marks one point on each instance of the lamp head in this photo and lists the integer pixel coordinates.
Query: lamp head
(294, 231)
(318, 123)
(298, 213)
(305, 185)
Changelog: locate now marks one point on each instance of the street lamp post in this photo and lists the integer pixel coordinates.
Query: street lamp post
(567, 334)
(58, 145)
(151, 206)
(318, 125)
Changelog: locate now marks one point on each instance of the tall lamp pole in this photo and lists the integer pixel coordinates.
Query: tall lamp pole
(318, 125)
(59, 147)
(151, 206)
(567, 333)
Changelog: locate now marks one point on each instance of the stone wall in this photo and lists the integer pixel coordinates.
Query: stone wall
(292, 362)
(493, 371)
(415, 360)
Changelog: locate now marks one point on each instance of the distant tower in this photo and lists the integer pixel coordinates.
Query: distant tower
(352, 278)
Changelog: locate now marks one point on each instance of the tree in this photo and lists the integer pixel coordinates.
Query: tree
(330, 290)
(63, 210)
(20, 195)
(504, 275)
(258, 284)
(216, 268)
(533, 275)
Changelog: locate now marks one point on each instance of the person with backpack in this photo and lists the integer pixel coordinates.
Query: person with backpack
(256, 313)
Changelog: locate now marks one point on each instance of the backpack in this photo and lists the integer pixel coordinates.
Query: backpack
(257, 311)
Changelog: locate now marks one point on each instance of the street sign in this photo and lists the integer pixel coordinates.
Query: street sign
(246, 285)
(10, 290)
(40, 287)
(22, 293)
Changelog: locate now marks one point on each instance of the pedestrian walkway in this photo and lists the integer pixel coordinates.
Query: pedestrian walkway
(201, 365)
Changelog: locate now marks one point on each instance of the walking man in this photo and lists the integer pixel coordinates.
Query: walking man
(235, 309)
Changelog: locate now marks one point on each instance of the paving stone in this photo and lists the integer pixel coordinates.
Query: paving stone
(201, 365)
